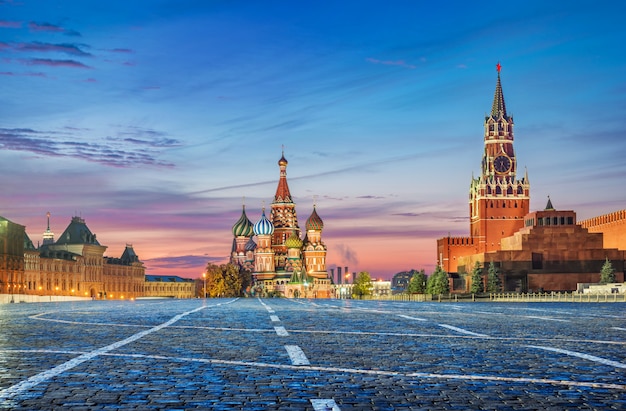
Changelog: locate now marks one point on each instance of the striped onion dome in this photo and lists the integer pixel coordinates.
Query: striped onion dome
(243, 227)
(293, 241)
(250, 245)
(263, 226)
(314, 222)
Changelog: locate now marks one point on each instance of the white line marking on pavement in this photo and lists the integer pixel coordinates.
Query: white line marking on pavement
(296, 355)
(582, 355)
(586, 384)
(322, 404)
(412, 318)
(274, 318)
(462, 331)
(281, 331)
(37, 379)
(14, 390)
(618, 328)
(536, 317)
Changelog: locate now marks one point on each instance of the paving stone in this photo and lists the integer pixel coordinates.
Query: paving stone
(362, 354)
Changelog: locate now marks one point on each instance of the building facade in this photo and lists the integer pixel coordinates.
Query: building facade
(74, 265)
(541, 251)
(281, 260)
(169, 286)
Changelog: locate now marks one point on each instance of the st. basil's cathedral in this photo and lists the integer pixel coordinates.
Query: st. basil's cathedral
(280, 260)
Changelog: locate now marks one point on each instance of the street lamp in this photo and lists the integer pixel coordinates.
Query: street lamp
(204, 289)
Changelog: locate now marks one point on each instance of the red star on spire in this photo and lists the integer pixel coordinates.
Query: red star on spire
(498, 67)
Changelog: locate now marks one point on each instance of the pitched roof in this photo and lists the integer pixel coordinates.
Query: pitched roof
(77, 233)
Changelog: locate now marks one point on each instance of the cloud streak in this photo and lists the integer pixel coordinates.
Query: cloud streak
(109, 152)
(54, 63)
(53, 28)
(67, 48)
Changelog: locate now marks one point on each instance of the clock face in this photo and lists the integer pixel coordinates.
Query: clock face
(502, 164)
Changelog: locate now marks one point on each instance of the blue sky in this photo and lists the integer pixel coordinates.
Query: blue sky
(152, 120)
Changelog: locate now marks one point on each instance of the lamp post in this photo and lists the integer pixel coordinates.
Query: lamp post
(204, 289)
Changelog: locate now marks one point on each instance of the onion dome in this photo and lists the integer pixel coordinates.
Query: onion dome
(250, 245)
(293, 241)
(283, 161)
(243, 227)
(314, 222)
(263, 226)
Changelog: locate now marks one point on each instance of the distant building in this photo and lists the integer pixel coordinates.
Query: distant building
(381, 288)
(169, 286)
(539, 251)
(400, 281)
(280, 260)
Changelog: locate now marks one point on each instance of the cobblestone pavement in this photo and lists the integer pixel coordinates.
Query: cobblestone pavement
(254, 354)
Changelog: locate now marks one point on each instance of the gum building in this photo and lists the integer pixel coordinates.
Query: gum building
(543, 250)
(73, 265)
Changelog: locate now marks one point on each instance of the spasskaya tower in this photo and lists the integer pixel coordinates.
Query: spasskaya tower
(498, 200)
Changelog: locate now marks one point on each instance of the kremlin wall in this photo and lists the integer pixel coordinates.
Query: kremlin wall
(544, 250)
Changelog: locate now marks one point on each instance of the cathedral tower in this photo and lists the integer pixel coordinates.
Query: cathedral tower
(283, 217)
(314, 251)
(498, 200)
(264, 268)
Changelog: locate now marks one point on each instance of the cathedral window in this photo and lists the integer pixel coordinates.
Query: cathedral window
(498, 190)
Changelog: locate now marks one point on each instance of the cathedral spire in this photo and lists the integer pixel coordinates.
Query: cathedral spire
(282, 191)
(498, 107)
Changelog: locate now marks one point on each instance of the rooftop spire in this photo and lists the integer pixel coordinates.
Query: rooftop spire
(282, 191)
(498, 107)
(48, 236)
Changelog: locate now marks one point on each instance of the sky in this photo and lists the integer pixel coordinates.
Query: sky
(156, 120)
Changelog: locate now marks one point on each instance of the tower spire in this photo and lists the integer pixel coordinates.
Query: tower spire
(498, 107)
(48, 236)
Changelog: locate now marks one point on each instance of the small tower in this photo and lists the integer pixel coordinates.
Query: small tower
(242, 232)
(264, 268)
(48, 236)
(294, 253)
(314, 251)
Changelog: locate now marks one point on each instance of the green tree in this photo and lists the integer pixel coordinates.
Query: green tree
(215, 284)
(232, 280)
(494, 285)
(477, 279)
(362, 284)
(438, 282)
(607, 274)
(417, 284)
